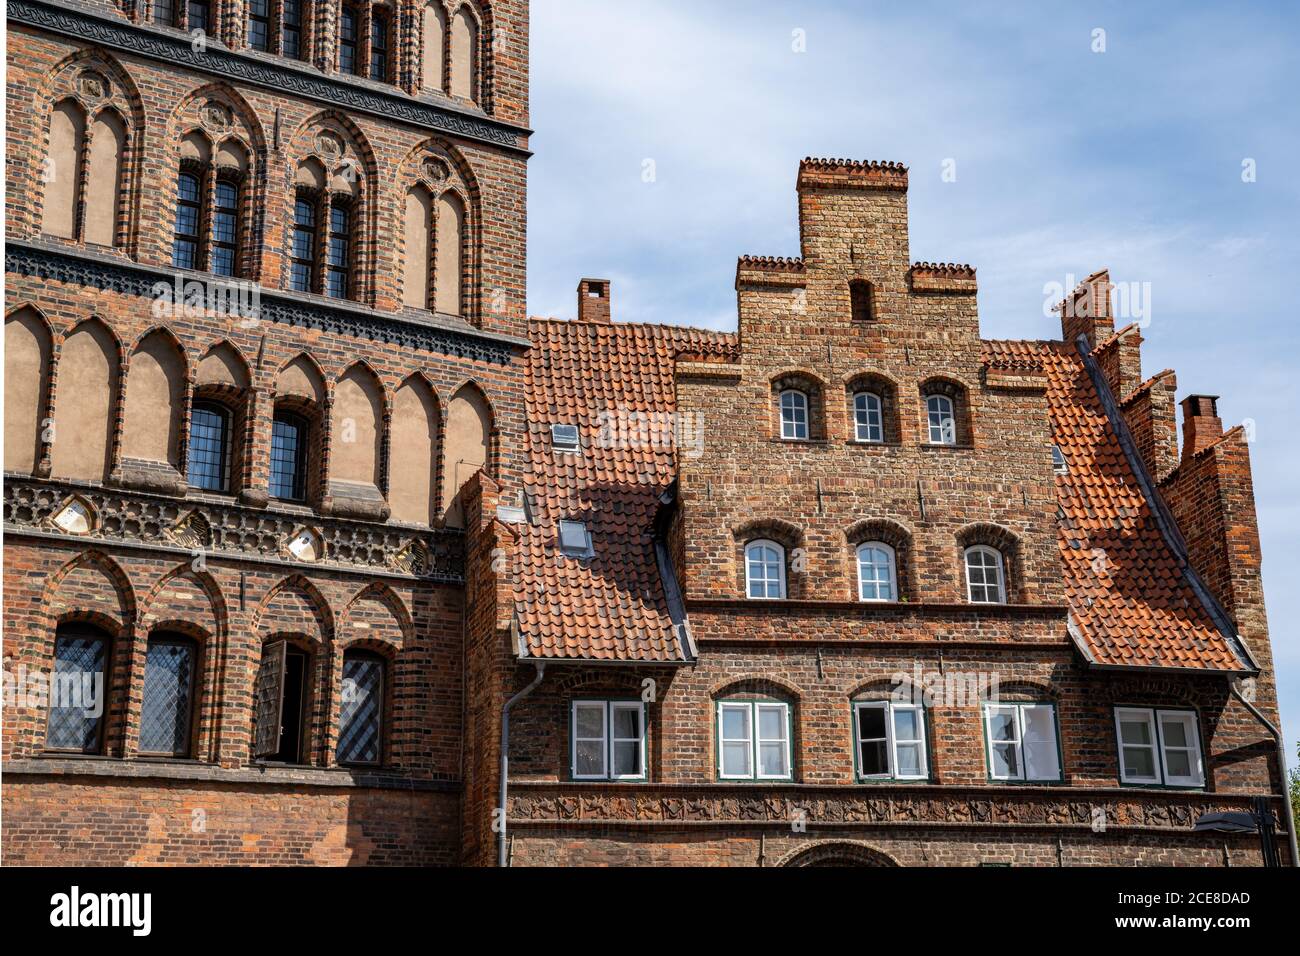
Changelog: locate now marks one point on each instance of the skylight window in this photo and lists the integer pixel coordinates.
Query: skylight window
(1059, 464)
(565, 437)
(574, 538)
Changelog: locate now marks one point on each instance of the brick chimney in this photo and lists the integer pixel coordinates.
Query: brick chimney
(1201, 424)
(1086, 311)
(593, 301)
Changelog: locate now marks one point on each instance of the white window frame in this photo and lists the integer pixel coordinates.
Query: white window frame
(878, 427)
(799, 405)
(944, 409)
(1155, 719)
(753, 709)
(1019, 725)
(780, 561)
(607, 738)
(891, 741)
(891, 561)
(1000, 565)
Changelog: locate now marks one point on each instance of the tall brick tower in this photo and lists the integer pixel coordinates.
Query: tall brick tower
(265, 303)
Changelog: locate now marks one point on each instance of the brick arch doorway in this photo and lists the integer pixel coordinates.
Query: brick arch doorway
(838, 855)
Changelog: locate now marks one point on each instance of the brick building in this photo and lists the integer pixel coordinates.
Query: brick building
(289, 472)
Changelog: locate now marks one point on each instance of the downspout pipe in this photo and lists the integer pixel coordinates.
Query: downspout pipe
(1287, 814)
(505, 761)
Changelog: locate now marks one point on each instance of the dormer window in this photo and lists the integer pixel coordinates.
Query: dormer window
(1059, 464)
(794, 416)
(575, 540)
(565, 438)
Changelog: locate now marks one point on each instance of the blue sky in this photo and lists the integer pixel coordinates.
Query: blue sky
(1066, 160)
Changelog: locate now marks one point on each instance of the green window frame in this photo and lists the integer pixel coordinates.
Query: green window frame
(597, 750)
(1016, 745)
(1168, 737)
(898, 739)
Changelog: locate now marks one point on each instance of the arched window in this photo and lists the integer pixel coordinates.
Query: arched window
(209, 449)
(868, 418)
(794, 415)
(877, 575)
(167, 709)
(78, 690)
(361, 709)
(942, 419)
(765, 571)
(289, 441)
(985, 575)
(208, 232)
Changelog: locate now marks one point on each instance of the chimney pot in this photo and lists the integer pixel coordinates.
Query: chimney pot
(1202, 426)
(593, 301)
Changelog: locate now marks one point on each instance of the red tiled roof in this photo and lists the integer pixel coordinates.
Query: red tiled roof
(1128, 594)
(1131, 601)
(611, 606)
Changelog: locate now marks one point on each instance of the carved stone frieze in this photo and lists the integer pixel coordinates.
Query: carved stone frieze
(231, 530)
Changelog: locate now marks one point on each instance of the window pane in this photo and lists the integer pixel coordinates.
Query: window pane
(909, 760)
(735, 723)
(1174, 732)
(165, 713)
(871, 723)
(208, 448)
(589, 721)
(79, 693)
(286, 460)
(1002, 724)
(1005, 763)
(907, 725)
(627, 759)
(1041, 760)
(874, 755)
(772, 760)
(1135, 731)
(1179, 763)
(360, 710)
(771, 723)
(627, 722)
(590, 760)
(735, 760)
(1139, 762)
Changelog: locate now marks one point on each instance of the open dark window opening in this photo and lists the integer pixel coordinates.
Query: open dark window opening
(281, 698)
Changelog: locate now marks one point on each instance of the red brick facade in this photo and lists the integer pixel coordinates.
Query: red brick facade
(437, 496)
